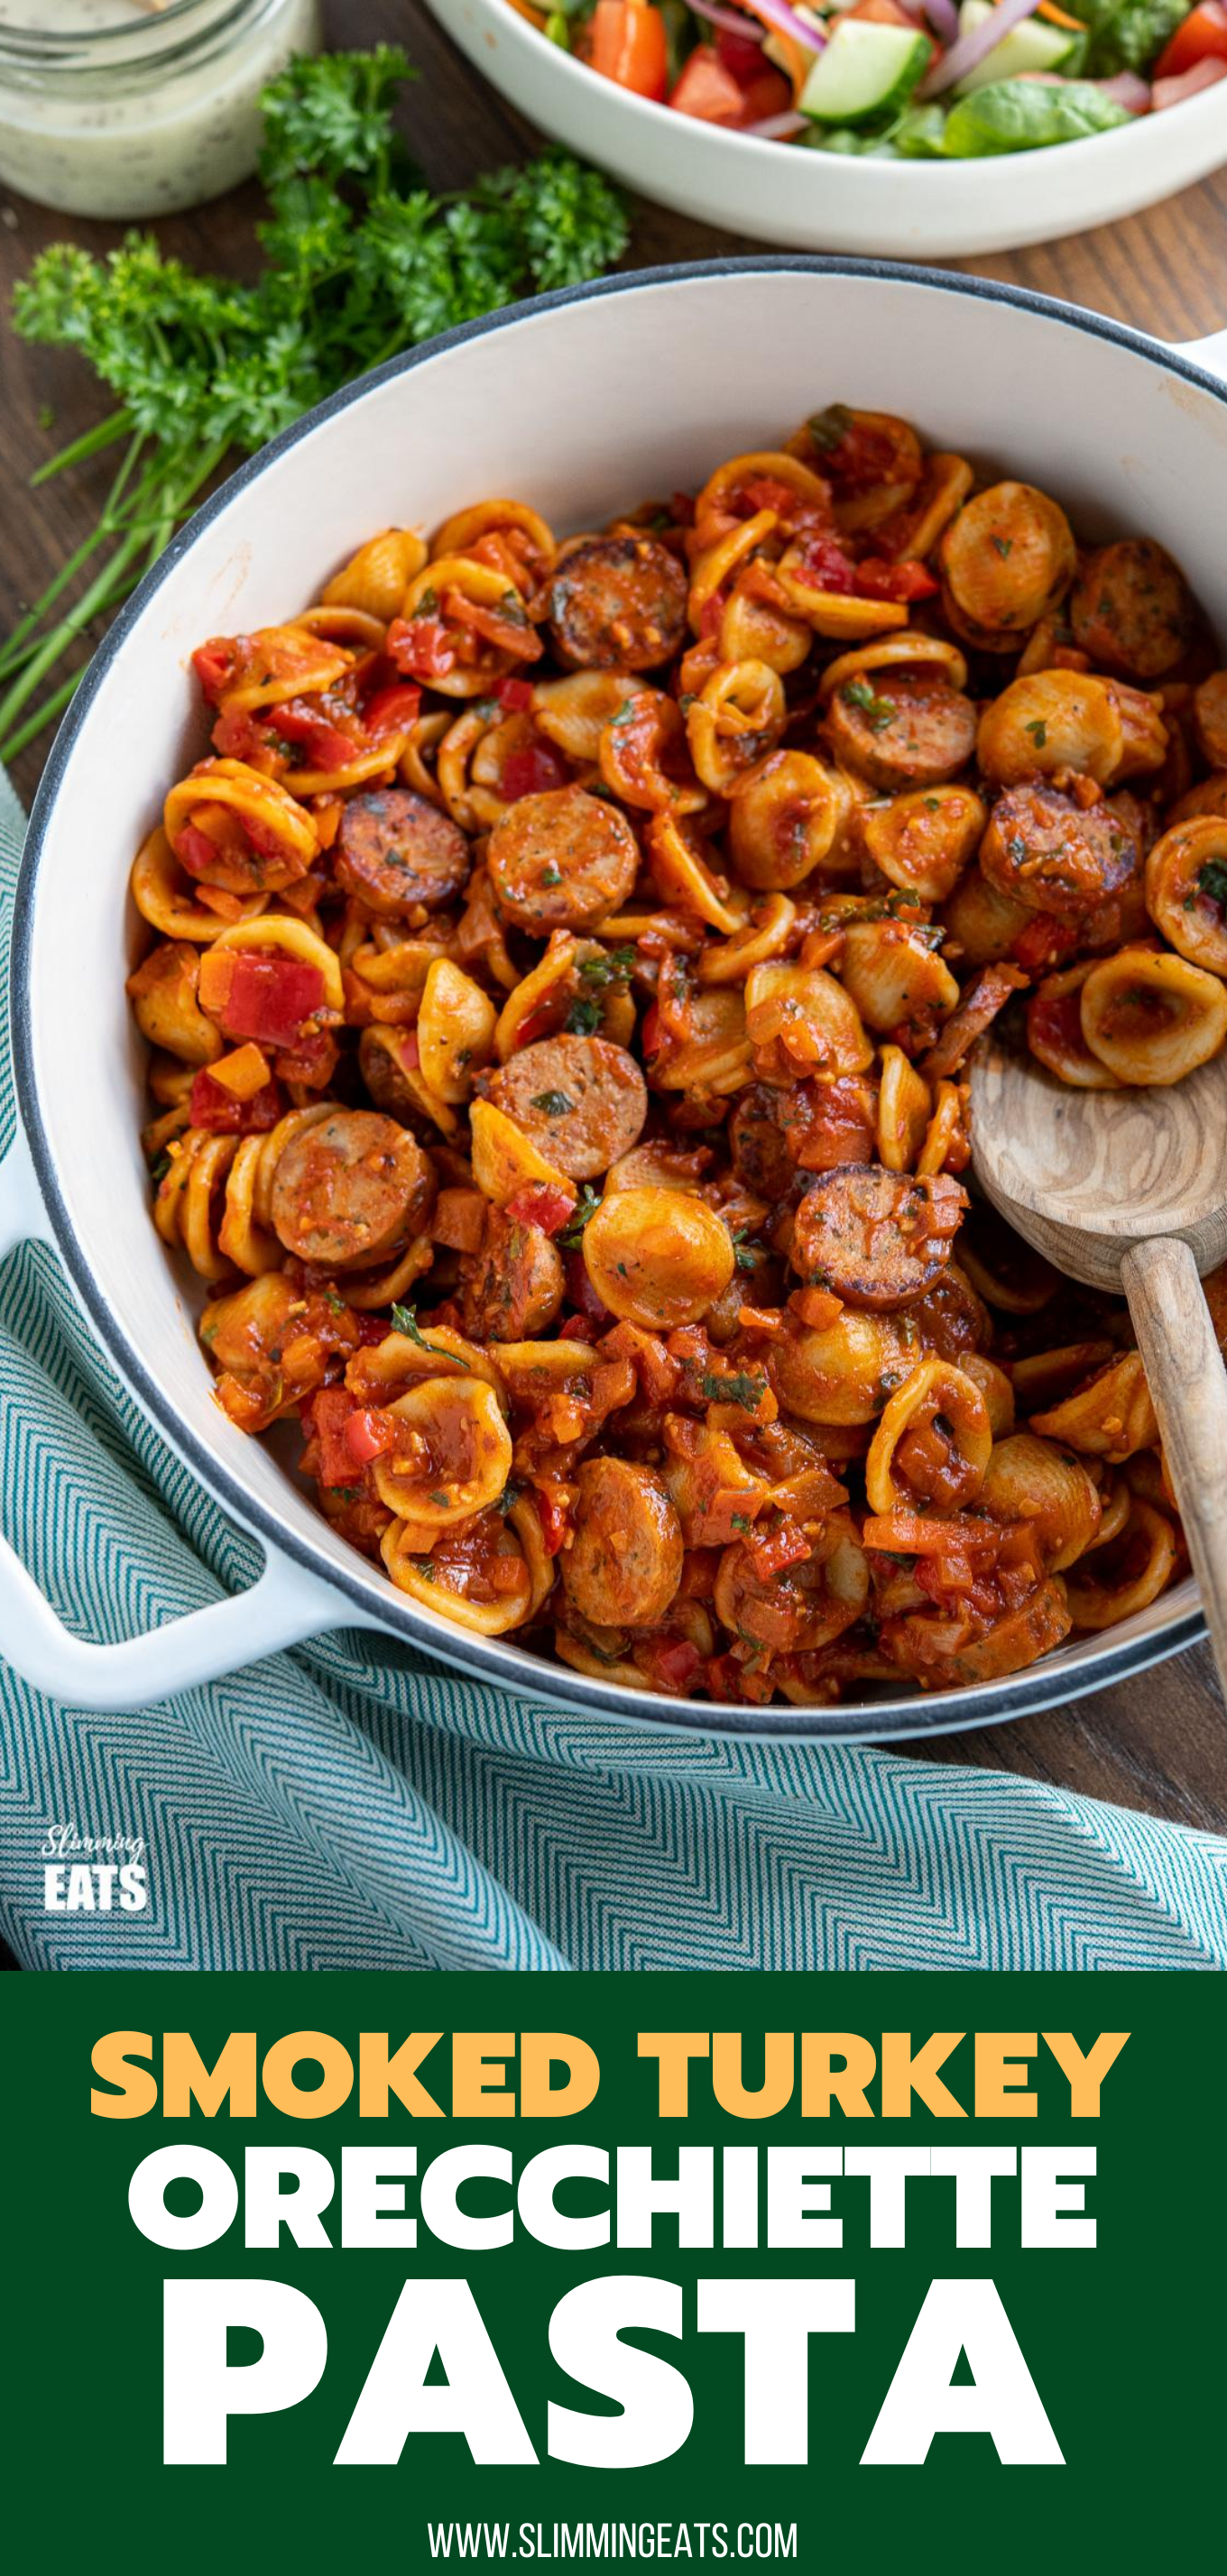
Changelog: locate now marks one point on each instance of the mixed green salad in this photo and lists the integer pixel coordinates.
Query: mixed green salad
(919, 79)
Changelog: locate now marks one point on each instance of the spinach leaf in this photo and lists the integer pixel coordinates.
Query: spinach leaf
(1020, 115)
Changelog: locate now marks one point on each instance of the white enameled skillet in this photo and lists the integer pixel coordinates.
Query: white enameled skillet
(803, 200)
(583, 404)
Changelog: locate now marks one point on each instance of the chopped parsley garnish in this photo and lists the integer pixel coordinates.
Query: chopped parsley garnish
(508, 1499)
(1038, 731)
(829, 428)
(552, 1104)
(744, 1253)
(159, 1168)
(404, 1320)
(346, 1493)
(1212, 883)
(337, 1303)
(583, 1019)
(428, 604)
(551, 876)
(740, 1522)
(741, 1387)
(878, 711)
(611, 966)
(1003, 545)
(571, 1237)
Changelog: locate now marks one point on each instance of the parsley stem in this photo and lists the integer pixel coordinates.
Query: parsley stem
(64, 633)
(104, 434)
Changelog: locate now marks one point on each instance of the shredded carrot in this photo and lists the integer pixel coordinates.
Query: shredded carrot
(1060, 18)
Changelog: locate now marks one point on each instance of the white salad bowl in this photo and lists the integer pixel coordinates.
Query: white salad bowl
(582, 403)
(806, 200)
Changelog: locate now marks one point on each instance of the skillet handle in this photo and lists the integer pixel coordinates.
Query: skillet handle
(283, 1608)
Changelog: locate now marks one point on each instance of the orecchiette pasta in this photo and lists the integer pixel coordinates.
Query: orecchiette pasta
(560, 971)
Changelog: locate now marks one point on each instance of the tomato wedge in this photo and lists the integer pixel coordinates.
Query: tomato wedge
(629, 46)
(1202, 36)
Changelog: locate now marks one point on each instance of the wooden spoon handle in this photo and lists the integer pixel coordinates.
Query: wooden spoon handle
(1188, 1386)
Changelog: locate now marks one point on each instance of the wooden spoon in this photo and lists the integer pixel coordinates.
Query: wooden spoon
(1127, 1190)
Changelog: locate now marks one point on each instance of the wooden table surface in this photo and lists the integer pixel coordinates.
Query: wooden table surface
(1159, 1742)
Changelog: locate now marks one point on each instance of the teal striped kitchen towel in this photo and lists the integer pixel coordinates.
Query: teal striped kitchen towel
(352, 1805)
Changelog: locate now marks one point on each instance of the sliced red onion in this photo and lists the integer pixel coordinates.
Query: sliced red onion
(777, 129)
(785, 20)
(970, 50)
(1129, 90)
(731, 20)
(943, 18)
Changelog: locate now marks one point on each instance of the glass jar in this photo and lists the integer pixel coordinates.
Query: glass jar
(117, 108)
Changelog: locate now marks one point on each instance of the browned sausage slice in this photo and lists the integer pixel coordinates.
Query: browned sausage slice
(394, 850)
(1045, 850)
(905, 729)
(562, 860)
(1130, 609)
(618, 600)
(350, 1189)
(757, 1137)
(513, 1287)
(583, 1101)
(625, 1562)
(876, 1238)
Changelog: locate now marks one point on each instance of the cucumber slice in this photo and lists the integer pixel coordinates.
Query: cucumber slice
(867, 71)
(1033, 47)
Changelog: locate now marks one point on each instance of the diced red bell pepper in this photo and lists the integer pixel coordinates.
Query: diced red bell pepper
(539, 1203)
(575, 1329)
(391, 710)
(629, 45)
(213, 664)
(253, 994)
(533, 771)
(899, 581)
(221, 1113)
(420, 646)
(1044, 943)
(1202, 37)
(237, 736)
(671, 1662)
(311, 1061)
(367, 1434)
(515, 695)
(554, 1520)
(334, 1406)
(326, 747)
(195, 850)
(651, 1029)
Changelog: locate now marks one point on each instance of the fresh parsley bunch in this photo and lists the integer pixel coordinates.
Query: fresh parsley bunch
(359, 261)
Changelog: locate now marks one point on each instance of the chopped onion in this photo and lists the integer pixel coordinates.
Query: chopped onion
(1128, 90)
(776, 129)
(778, 15)
(943, 18)
(731, 20)
(971, 50)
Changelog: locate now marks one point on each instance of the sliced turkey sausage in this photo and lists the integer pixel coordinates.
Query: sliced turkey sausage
(513, 1287)
(902, 729)
(618, 600)
(1130, 609)
(583, 1101)
(1045, 850)
(625, 1562)
(350, 1189)
(562, 860)
(395, 850)
(876, 1238)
